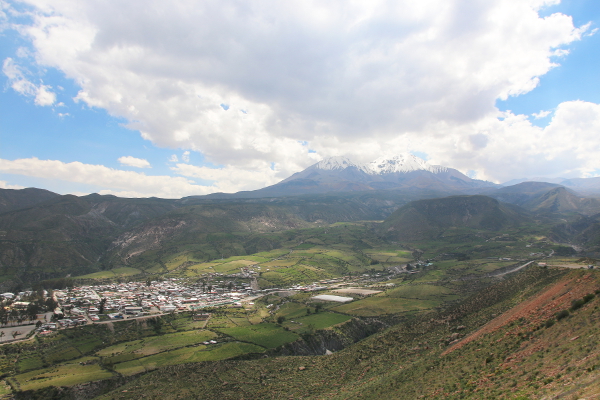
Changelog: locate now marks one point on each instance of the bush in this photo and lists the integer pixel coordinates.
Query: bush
(549, 323)
(562, 314)
(588, 297)
(577, 304)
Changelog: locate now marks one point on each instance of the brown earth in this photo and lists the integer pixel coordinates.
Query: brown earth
(537, 310)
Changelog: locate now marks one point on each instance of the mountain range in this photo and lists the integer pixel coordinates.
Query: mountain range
(44, 234)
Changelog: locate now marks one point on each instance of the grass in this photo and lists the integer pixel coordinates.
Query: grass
(420, 292)
(66, 374)
(153, 345)
(112, 273)
(378, 305)
(320, 320)
(29, 363)
(182, 356)
(266, 335)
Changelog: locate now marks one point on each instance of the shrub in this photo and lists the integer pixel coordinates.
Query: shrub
(549, 323)
(588, 297)
(562, 314)
(577, 304)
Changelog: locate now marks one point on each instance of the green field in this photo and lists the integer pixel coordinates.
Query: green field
(266, 335)
(152, 345)
(65, 374)
(186, 355)
(383, 305)
(320, 320)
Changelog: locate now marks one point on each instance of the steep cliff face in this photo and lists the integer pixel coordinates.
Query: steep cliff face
(332, 340)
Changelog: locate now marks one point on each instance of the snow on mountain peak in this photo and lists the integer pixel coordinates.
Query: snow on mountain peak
(382, 165)
(399, 163)
(337, 163)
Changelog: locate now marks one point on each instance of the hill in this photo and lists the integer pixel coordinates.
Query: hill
(67, 234)
(541, 197)
(15, 199)
(427, 219)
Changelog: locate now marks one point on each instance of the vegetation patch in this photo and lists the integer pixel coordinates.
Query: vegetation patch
(266, 334)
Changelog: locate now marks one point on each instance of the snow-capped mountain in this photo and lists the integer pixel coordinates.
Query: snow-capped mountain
(337, 163)
(340, 174)
(383, 165)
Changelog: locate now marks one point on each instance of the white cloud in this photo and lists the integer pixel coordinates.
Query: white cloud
(186, 156)
(6, 185)
(541, 114)
(134, 162)
(136, 184)
(116, 181)
(568, 146)
(16, 77)
(228, 178)
(174, 158)
(353, 78)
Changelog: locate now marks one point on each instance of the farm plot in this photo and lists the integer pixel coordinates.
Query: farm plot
(71, 373)
(265, 334)
(186, 355)
(320, 320)
(374, 306)
(153, 345)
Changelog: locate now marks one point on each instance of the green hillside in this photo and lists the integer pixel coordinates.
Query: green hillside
(428, 219)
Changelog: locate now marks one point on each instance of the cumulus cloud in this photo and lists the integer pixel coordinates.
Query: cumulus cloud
(541, 114)
(6, 185)
(228, 178)
(42, 94)
(251, 84)
(186, 156)
(134, 184)
(134, 162)
(567, 146)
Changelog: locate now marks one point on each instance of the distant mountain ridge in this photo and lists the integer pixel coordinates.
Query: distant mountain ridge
(582, 185)
(340, 174)
(428, 219)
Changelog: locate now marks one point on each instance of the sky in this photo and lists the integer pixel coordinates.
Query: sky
(171, 99)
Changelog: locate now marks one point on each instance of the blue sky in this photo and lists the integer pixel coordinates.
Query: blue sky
(105, 97)
(577, 77)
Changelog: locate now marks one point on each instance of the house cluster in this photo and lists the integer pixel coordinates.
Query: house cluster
(143, 298)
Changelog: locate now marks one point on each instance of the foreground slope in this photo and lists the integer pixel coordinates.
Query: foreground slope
(502, 343)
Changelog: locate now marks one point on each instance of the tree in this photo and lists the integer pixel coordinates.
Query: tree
(32, 311)
(14, 334)
(1, 334)
(101, 306)
(280, 319)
